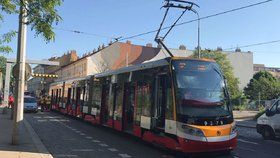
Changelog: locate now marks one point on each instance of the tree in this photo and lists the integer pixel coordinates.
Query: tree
(263, 85)
(41, 15)
(226, 67)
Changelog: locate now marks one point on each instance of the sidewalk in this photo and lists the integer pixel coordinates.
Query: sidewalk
(30, 145)
(244, 114)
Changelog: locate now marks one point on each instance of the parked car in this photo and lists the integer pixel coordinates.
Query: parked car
(268, 124)
(30, 104)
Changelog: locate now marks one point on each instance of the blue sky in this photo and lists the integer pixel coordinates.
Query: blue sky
(115, 18)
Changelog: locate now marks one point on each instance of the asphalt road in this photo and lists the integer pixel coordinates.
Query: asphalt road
(66, 137)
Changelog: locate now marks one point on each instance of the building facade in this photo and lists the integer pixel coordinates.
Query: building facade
(39, 85)
(242, 63)
(36, 85)
(273, 70)
(119, 55)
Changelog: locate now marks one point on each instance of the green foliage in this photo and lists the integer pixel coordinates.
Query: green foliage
(263, 85)
(41, 15)
(4, 40)
(240, 107)
(226, 67)
(3, 61)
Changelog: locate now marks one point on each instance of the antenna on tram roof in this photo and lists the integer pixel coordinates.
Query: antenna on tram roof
(181, 4)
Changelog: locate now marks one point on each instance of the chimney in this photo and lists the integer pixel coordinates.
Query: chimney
(237, 50)
(219, 49)
(182, 47)
(128, 42)
(149, 45)
(103, 46)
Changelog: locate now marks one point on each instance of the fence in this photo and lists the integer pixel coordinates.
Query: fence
(246, 104)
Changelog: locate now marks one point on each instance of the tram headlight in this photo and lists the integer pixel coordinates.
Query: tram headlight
(233, 129)
(193, 131)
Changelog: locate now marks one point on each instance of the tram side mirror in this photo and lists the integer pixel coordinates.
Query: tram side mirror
(268, 113)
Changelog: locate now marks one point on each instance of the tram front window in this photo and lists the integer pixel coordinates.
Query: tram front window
(200, 90)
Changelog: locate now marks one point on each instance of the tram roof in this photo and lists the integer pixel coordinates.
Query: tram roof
(141, 66)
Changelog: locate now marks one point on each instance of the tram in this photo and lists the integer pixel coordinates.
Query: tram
(181, 104)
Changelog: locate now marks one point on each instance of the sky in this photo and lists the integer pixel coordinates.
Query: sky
(103, 20)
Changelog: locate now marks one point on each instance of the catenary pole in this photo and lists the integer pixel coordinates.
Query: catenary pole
(20, 79)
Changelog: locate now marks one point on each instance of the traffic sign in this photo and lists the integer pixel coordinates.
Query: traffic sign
(27, 71)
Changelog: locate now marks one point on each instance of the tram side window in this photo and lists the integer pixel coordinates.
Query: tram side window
(52, 97)
(144, 99)
(169, 100)
(78, 96)
(146, 102)
(138, 110)
(86, 95)
(82, 96)
(64, 97)
(96, 97)
(73, 96)
(59, 98)
(56, 96)
(119, 102)
(111, 100)
(105, 101)
(69, 96)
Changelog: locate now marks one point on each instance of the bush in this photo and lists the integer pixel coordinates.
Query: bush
(240, 107)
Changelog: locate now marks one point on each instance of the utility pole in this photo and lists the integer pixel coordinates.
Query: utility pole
(198, 34)
(20, 79)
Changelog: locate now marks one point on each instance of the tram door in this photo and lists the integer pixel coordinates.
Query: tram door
(78, 99)
(128, 108)
(160, 102)
(104, 104)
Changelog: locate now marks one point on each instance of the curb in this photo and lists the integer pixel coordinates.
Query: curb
(245, 117)
(44, 153)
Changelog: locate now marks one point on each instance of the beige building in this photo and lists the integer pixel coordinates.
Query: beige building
(261, 67)
(119, 55)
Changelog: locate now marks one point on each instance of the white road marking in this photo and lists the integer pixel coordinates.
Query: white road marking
(124, 155)
(89, 137)
(82, 134)
(42, 120)
(112, 149)
(69, 139)
(246, 141)
(83, 150)
(65, 155)
(104, 145)
(96, 141)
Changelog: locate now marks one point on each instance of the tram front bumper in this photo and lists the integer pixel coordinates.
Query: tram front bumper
(192, 146)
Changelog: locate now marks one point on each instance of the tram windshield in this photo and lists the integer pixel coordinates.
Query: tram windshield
(200, 89)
